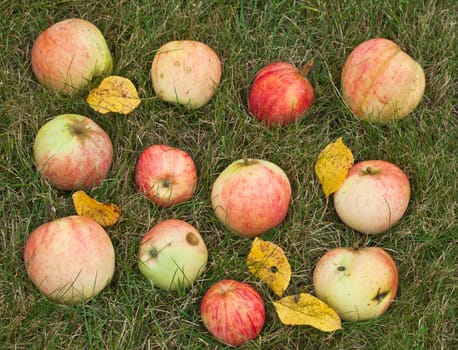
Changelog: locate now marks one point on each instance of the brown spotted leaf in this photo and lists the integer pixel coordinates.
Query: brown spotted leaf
(268, 262)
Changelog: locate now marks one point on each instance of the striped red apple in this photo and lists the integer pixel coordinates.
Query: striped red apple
(280, 94)
(233, 312)
(251, 196)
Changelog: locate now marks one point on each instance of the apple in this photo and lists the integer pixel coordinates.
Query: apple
(373, 197)
(172, 255)
(69, 54)
(380, 82)
(186, 72)
(233, 312)
(280, 93)
(72, 152)
(70, 259)
(359, 284)
(166, 175)
(251, 196)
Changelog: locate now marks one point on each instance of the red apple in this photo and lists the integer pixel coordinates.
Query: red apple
(69, 54)
(233, 312)
(380, 82)
(70, 259)
(166, 175)
(186, 72)
(280, 94)
(172, 254)
(373, 197)
(72, 152)
(359, 284)
(251, 196)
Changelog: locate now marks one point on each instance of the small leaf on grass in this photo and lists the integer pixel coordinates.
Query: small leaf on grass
(305, 309)
(114, 94)
(268, 262)
(332, 166)
(106, 214)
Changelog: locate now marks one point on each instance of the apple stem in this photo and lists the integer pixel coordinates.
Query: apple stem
(357, 245)
(245, 158)
(307, 68)
(368, 170)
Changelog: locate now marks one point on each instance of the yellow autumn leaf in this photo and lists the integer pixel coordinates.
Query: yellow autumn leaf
(114, 94)
(106, 214)
(305, 309)
(268, 262)
(332, 166)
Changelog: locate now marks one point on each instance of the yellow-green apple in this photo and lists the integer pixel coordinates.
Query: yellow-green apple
(72, 152)
(280, 93)
(166, 175)
(381, 82)
(186, 72)
(251, 196)
(373, 197)
(233, 312)
(359, 284)
(69, 54)
(172, 255)
(70, 259)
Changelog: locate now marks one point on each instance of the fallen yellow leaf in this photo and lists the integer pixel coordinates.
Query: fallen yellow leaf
(268, 262)
(305, 309)
(106, 214)
(332, 166)
(114, 94)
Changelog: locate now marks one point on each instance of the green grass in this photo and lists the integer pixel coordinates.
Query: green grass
(129, 314)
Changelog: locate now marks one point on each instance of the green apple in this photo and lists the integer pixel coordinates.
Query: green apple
(172, 255)
(359, 284)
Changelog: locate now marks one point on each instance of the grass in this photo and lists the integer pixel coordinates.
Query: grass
(129, 314)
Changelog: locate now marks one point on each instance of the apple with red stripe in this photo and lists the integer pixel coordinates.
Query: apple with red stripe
(381, 82)
(70, 259)
(72, 152)
(69, 54)
(373, 197)
(251, 196)
(166, 175)
(281, 94)
(233, 312)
